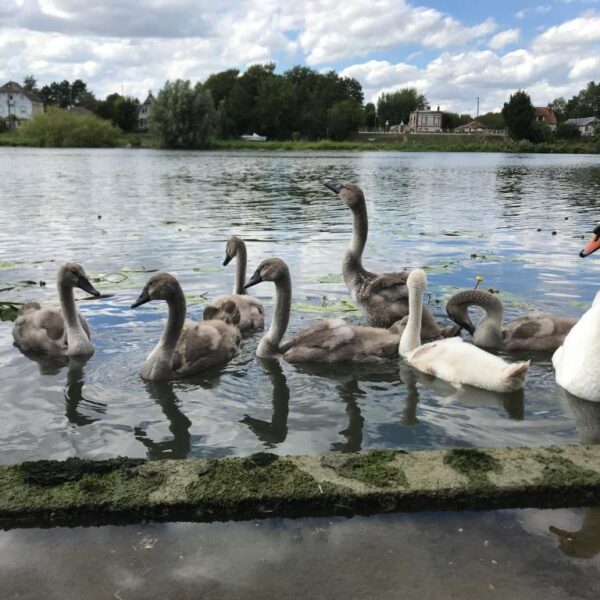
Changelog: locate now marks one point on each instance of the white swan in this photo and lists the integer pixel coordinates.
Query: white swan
(186, 348)
(57, 331)
(252, 316)
(538, 332)
(577, 361)
(328, 341)
(382, 298)
(453, 359)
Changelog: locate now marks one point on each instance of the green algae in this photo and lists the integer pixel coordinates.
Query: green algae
(235, 484)
(473, 464)
(55, 472)
(560, 471)
(377, 468)
(343, 306)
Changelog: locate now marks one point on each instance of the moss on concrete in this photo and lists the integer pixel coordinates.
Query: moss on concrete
(55, 472)
(560, 471)
(377, 468)
(473, 464)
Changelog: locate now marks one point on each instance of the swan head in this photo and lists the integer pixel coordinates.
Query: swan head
(161, 286)
(593, 244)
(72, 275)
(457, 309)
(270, 269)
(231, 249)
(351, 195)
(417, 280)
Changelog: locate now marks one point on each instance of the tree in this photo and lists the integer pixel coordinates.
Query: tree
(30, 84)
(344, 118)
(493, 120)
(454, 120)
(221, 84)
(567, 131)
(275, 107)
(586, 103)
(559, 107)
(518, 114)
(370, 115)
(121, 110)
(183, 115)
(396, 107)
(65, 94)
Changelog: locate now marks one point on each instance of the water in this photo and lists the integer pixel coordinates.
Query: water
(116, 210)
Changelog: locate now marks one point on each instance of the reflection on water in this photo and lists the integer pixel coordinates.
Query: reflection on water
(585, 542)
(459, 215)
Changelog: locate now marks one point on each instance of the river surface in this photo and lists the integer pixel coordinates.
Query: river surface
(516, 220)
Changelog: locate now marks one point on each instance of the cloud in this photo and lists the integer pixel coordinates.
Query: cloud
(504, 38)
(361, 28)
(540, 9)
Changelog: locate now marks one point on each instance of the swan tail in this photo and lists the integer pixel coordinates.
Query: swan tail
(517, 372)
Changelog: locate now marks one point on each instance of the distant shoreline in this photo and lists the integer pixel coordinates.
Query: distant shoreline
(408, 143)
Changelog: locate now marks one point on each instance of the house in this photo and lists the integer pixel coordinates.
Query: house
(545, 115)
(425, 121)
(17, 103)
(473, 127)
(586, 125)
(145, 112)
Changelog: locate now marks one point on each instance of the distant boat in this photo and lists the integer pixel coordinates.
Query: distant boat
(254, 138)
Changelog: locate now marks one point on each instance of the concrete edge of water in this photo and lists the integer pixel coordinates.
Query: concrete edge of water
(122, 490)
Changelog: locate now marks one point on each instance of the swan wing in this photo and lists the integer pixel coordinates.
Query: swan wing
(537, 331)
(40, 329)
(389, 285)
(329, 334)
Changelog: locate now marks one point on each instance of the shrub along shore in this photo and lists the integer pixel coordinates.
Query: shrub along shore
(360, 143)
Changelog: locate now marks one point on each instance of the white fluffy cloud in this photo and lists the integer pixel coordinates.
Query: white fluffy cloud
(504, 38)
(134, 46)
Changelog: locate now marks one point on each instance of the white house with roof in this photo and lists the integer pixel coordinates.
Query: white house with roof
(586, 125)
(17, 103)
(425, 121)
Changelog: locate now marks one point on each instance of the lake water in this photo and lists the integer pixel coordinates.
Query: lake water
(122, 212)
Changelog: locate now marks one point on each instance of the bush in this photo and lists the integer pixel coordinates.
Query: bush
(58, 128)
(343, 119)
(566, 131)
(538, 133)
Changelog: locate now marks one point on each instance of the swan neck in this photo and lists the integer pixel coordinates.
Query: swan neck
(489, 330)
(240, 269)
(281, 313)
(67, 303)
(360, 231)
(411, 337)
(175, 321)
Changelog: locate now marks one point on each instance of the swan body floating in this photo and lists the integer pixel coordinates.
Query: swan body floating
(186, 348)
(57, 331)
(577, 361)
(539, 332)
(382, 298)
(328, 341)
(252, 316)
(454, 360)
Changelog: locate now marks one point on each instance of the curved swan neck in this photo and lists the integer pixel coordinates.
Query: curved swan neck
(281, 314)
(240, 269)
(489, 329)
(360, 230)
(67, 303)
(411, 336)
(175, 320)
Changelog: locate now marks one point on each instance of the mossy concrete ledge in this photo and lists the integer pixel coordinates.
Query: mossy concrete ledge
(122, 490)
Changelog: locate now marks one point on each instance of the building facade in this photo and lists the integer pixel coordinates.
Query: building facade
(145, 112)
(425, 121)
(545, 115)
(586, 125)
(17, 104)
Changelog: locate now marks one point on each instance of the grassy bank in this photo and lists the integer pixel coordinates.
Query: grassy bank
(409, 143)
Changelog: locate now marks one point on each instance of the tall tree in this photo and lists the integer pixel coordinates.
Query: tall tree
(183, 115)
(396, 107)
(518, 114)
(121, 110)
(221, 84)
(370, 115)
(344, 118)
(30, 84)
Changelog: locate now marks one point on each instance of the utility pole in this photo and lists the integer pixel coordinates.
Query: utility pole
(477, 106)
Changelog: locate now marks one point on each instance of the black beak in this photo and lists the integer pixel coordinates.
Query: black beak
(227, 260)
(142, 299)
(86, 286)
(461, 321)
(256, 278)
(334, 187)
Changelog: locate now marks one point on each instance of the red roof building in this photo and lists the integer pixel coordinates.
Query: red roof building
(545, 115)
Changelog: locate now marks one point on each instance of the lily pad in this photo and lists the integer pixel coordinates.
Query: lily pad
(9, 311)
(207, 269)
(7, 265)
(329, 278)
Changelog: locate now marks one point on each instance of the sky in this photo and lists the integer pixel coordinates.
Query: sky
(454, 52)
